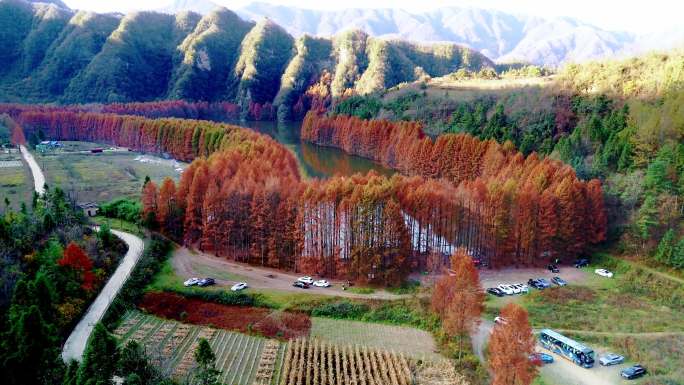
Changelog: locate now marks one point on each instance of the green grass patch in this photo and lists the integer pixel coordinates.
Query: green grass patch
(634, 301)
(101, 177)
(16, 182)
(410, 286)
(119, 224)
(361, 290)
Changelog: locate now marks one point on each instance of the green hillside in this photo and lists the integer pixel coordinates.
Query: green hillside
(264, 53)
(352, 61)
(313, 57)
(71, 52)
(16, 19)
(135, 63)
(208, 57)
(48, 22)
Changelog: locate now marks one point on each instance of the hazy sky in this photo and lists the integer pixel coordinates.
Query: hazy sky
(626, 15)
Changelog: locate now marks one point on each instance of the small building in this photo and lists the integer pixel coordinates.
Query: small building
(90, 209)
(47, 145)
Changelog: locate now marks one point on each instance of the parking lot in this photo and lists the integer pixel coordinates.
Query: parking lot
(227, 273)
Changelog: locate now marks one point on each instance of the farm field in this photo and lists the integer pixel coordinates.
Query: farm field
(103, 176)
(413, 342)
(314, 361)
(16, 182)
(172, 344)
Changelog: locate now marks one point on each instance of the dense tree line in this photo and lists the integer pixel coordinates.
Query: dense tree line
(183, 139)
(217, 111)
(534, 207)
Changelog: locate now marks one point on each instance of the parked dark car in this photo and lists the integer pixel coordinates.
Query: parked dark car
(553, 268)
(536, 283)
(541, 358)
(633, 372)
(206, 282)
(301, 285)
(558, 281)
(495, 291)
(581, 262)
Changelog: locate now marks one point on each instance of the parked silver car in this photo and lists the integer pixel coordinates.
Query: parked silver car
(611, 359)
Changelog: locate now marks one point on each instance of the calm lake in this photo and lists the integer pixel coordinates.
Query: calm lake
(315, 161)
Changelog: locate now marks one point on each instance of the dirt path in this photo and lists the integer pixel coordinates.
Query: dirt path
(188, 264)
(75, 345)
(38, 177)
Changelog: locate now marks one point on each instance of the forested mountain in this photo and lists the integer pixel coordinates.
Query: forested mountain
(56, 55)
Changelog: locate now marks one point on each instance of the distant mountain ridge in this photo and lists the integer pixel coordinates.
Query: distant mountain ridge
(52, 54)
(501, 36)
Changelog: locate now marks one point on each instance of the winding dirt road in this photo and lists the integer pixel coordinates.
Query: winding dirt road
(38, 177)
(75, 345)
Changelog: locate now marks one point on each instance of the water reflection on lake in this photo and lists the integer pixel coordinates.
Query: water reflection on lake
(315, 161)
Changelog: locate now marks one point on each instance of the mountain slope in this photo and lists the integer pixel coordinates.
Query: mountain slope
(53, 55)
(209, 55)
(136, 61)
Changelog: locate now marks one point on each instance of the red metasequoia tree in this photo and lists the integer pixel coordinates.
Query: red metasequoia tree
(150, 208)
(459, 299)
(76, 259)
(510, 346)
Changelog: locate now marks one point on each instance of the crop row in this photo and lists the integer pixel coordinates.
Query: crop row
(313, 362)
(171, 346)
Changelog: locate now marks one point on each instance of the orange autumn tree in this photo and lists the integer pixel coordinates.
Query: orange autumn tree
(458, 298)
(510, 346)
(76, 259)
(149, 204)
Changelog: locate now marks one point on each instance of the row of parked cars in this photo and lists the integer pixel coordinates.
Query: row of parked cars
(521, 288)
(307, 282)
(199, 282)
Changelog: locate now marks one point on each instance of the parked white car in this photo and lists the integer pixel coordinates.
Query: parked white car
(604, 273)
(321, 283)
(499, 320)
(523, 288)
(507, 289)
(307, 280)
(191, 282)
(239, 286)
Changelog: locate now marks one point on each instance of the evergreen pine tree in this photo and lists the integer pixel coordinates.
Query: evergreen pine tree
(206, 360)
(99, 359)
(666, 248)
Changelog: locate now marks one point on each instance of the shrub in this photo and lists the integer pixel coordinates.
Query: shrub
(342, 309)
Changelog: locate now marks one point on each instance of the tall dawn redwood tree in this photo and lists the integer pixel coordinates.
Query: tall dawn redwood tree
(510, 346)
(458, 298)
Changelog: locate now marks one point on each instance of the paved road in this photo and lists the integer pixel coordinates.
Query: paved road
(76, 343)
(38, 177)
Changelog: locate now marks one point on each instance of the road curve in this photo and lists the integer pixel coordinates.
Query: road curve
(75, 345)
(38, 177)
